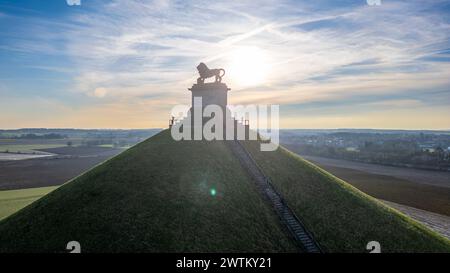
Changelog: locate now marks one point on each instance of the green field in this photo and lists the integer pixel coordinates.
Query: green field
(14, 200)
(193, 196)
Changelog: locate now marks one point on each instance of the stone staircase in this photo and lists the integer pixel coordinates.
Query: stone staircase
(287, 217)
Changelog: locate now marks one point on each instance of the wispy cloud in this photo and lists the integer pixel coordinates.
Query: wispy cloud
(125, 52)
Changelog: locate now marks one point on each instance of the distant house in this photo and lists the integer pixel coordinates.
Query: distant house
(428, 147)
(429, 150)
(352, 149)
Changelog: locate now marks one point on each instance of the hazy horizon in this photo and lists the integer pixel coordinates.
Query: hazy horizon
(163, 128)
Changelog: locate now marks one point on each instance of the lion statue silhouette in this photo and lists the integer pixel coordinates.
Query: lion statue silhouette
(205, 73)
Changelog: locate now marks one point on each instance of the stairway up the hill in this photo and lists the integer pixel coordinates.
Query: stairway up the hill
(287, 217)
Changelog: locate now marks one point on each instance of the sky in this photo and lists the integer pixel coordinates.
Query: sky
(126, 64)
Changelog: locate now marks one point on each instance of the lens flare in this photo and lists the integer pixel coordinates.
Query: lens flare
(213, 192)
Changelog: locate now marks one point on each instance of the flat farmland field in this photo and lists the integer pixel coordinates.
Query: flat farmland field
(16, 156)
(67, 163)
(426, 190)
(27, 148)
(30, 146)
(13, 200)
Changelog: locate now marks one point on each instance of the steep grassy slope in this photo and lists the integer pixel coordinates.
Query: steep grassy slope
(342, 218)
(159, 196)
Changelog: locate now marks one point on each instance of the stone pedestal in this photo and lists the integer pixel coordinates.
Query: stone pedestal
(211, 93)
(214, 93)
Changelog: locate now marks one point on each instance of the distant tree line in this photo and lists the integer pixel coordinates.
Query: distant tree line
(416, 151)
(44, 136)
(116, 143)
(439, 159)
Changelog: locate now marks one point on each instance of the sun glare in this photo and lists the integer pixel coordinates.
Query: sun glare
(248, 66)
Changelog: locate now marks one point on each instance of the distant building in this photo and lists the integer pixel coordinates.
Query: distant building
(352, 149)
(428, 147)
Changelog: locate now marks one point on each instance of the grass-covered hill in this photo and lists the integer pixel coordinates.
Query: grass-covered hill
(159, 196)
(193, 196)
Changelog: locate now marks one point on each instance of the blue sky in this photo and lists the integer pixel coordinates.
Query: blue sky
(125, 64)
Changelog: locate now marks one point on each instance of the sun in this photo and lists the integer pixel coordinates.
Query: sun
(248, 66)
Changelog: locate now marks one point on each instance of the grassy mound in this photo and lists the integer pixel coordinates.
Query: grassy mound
(342, 218)
(159, 196)
(193, 196)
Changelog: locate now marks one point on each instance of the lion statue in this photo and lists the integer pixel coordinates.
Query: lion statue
(205, 73)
